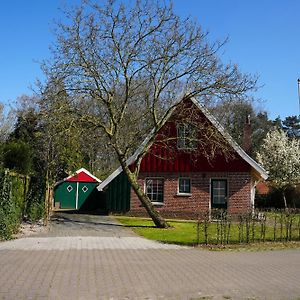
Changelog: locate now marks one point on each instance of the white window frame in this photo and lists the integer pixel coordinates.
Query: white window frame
(185, 140)
(210, 190)
(178, 185)
(163, 189)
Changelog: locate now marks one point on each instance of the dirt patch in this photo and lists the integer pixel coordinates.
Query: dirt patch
(29, 229)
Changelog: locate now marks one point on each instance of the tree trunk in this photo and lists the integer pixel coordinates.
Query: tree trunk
(47, 200)
(284, 199)
(158, 220)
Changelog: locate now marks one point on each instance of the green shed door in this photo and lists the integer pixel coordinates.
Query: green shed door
(84, 191)
(66, 193)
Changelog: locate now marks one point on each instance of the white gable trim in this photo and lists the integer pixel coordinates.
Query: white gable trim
(84, 171)
(77, 172)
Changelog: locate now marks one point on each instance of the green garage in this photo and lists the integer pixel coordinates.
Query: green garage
(78, 191)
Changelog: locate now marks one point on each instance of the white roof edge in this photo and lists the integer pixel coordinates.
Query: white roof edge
(110, 178)
(77, 172)
(213, 120)
(231, 141)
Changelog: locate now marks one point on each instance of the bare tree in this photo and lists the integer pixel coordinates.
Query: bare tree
(6, 122)
(127, 63)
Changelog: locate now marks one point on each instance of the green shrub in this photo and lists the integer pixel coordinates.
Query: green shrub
(9, 219)
(13, 189)
(36, 199)
(18, 156)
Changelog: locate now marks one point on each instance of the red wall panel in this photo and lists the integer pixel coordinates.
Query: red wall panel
(164, 156)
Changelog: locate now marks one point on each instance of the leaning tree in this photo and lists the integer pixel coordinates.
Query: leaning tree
(125, 63)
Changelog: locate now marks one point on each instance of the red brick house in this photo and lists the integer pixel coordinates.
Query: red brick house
(180, 174)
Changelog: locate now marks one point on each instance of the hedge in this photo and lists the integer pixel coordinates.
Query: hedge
(20, 197)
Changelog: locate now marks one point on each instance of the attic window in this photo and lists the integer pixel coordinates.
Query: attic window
(186, 137)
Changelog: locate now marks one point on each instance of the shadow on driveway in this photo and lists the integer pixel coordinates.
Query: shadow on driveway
(80, 224)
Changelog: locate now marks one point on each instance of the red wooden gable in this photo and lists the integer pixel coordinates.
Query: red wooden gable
(166, 157)
(81, 177)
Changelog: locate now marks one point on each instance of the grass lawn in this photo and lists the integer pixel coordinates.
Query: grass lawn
(185, 233)
(180, 232)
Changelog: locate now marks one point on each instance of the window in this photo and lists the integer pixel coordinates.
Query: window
(219, 193)
(184, 186)
(186, 137)
(85, 189)
(155, 189)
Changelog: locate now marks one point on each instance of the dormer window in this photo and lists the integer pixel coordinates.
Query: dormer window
(186, 137)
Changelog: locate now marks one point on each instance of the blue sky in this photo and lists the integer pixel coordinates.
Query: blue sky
(263, 37)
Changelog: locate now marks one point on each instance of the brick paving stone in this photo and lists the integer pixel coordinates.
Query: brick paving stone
(120, 265)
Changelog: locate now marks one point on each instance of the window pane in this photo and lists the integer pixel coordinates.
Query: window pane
(186, 137)
(219, 192)
(155, 189)
(184, 185)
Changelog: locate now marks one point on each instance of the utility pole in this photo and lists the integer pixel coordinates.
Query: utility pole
(299, 93)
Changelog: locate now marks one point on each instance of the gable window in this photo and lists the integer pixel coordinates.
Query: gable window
(184, 185)
(155, 189)
(186, 137)
(219, 193)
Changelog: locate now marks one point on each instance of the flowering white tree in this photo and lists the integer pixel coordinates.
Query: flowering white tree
(280, 156)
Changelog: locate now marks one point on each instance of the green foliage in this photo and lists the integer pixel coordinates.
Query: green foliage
(12, 189)
(25, 127)
(233, 115)
(36, 199)
(18, 156)
(19, 196)
(291, 125)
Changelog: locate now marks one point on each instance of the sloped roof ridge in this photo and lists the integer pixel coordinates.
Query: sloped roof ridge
(213, 120)
(230, 140)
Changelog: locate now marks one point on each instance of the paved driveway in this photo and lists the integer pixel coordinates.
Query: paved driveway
(73, 224)
(93, 257)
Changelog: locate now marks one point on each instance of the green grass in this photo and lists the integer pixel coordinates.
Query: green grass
(179, 232)
(185, 233)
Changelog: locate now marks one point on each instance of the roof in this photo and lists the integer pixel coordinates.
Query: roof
(263, 188)
(260, 171)
(81, 175)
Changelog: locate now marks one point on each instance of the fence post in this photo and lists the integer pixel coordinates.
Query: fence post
(275, 228)
(281, 225)
(298, 228)
(198, 231)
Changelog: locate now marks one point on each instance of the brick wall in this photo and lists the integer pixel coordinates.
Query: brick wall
(239, 187)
